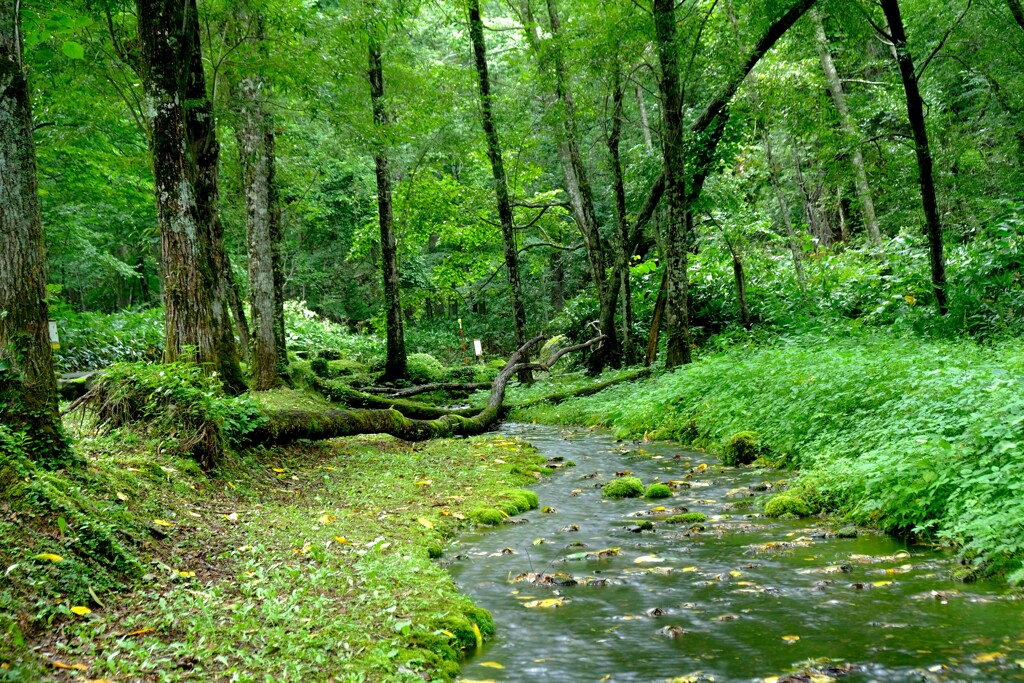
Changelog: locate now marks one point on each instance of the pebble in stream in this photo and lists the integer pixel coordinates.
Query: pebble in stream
(589, 593)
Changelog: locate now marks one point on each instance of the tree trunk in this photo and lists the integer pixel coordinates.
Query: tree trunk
(645, 126)
(204, 150)
(677, 314)
(395, 365)
(655, 331)
(622, 253)
(476, 31)
(915, 112)
(238, 313)
(1018, 11)
(835, 86)
(276, 240)
(787, 219)
(185, 260)
(28, 387)
(741, 289)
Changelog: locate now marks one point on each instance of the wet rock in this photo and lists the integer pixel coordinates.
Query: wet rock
(643, 525)
(672, 631)
(761, 486)
(571, 527)
(655, 612)
(847, 532)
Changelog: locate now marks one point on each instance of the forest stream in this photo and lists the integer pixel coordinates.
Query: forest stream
(739, 597)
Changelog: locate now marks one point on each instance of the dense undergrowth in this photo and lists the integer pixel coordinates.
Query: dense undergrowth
(913, 436)
(289, 563)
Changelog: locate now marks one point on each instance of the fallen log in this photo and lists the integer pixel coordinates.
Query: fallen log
(427, 388)
(339, 392)
(555, 399)
(284, 426)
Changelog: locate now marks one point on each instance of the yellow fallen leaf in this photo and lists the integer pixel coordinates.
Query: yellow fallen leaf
(988, 657)
(691, 569)
(121, 497)
(701, 467)
(546, 603)
(81, 611)
(186, 574)
(771, 679)
(49, 556)
(342, 540)
(426, 522)
(660, 508)
(424, 482)
(478, 636)
(98, 680)
(735, 574)
(327, 519)
(140, 632)
(303, 550)
(647, 558)
(231, 485)
(882, 583)
(160, 522)
(791, 639)
(329, 468)
(75, 667)
(492, 665)
(278, 470)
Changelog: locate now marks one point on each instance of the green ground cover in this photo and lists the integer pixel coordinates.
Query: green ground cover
(917, 437)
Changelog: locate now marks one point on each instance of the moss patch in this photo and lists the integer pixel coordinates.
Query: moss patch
(624, 487)
(656, 491)
(742, 448)
(786, 505)
(687, 518)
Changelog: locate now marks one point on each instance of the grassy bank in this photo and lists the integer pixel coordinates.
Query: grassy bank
(303, 563)
(913, 436)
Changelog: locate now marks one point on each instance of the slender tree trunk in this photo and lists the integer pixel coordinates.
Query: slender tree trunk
(645, 125)
(677, 314)
(1018, 11)
(187, 277)
(835, 86)
(476, 31)
(659, 312)
(395, 365)
(842, 215)
(622, 253)
(204, 150)
(741, 289)
(28, 387)
(915, 112)
(238, 313)
(787, 219)
(276, 240)
(256, 163)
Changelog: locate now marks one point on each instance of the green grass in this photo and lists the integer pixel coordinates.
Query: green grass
(299, 563)
(916, 437)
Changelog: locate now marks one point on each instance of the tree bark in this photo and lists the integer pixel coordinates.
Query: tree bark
(741, 289)
(835, 86)
(645, 126)
(677, 314)
(28, 387)
(623, 252)
(395, 366)
(204, 150)
(659, 312)
(187, 277)
(915, 112)
(476, 31)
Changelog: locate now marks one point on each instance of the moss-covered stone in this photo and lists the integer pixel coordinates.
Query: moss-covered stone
(742, 448)
(523, 500)
(624, 487)
(487, 516)
(687, 518)
(656, 491)
(786, 505)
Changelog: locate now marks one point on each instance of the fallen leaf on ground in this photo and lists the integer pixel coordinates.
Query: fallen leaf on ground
(426, 522)
(140, 632)
(49, 556)
(81, 610)
(327, 519)
(160, 522)
(74, 667)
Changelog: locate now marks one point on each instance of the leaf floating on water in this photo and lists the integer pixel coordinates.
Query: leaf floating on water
(696, 677)
(879, 584)
(492, 665)
(703, 467)
(691, 569)
(791, 639)
(988, 657)
(647, 558)
(547, 603)
(735, 574)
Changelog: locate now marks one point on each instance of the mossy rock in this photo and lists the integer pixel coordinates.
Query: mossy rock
(422, 368)
(786, 505)
(656, 491)
(687, 518)
(487, 516)
(320, 368)
(523, 500)
(624, 487)
(742, 448)
(329, 354)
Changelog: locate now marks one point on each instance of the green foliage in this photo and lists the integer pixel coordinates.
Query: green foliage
(310, 333)
(742, 448)
(782, 505)
(915, 437)
(89, 341)
(655, 491)
(623, 487)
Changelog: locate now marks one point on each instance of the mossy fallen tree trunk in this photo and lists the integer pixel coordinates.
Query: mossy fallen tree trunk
(554, 399)
(284, 426)
(427, 388)
(339, 392)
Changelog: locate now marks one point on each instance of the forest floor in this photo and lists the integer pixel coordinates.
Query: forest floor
(308, 562)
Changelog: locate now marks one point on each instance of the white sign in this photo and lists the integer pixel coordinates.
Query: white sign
(54, 339)
(477, 347)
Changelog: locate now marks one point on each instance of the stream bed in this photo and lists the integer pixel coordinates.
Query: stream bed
(738, 597)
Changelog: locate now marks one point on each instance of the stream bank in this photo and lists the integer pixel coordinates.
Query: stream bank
(737, 597)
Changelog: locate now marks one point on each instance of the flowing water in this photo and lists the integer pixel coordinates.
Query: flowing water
(737, 598)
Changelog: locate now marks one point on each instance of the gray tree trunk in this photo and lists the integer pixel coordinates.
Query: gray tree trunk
(835, 87)
(28, 387)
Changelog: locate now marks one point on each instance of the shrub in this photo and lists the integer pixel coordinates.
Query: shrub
(742, 448)
(786, 505)
(624, 487)
(655, 491)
